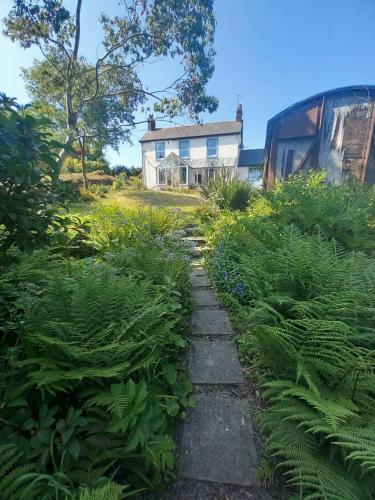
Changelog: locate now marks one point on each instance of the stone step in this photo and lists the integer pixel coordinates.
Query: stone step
(217, 442)
(196, 252)
(210, 322)
(198, 269)
(196, 263)
(214, 362)
(198, 240)
(205, 298)
(199, 281)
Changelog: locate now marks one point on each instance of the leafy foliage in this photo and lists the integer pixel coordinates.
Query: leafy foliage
(228, 192)
(304, 303)
(92, 378)
(27, 172)
(98, 98)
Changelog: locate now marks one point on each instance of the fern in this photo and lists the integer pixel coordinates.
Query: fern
(306, 319)
(14, 474)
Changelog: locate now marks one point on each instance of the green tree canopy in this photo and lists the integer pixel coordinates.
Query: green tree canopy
(111, 87)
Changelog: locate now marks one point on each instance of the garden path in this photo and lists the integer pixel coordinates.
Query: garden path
(217, 442)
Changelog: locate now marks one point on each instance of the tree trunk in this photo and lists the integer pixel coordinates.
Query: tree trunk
(83, 162)
(63, 154)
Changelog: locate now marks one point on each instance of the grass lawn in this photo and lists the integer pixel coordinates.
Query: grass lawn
(136, 199)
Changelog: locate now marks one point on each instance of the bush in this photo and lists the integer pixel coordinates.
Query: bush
(120, 182)
(28, 171)
(228, 193)
(304, 303)
(73, 165)
(112, 225)
(136, 183)
(87, 195)
(345, 213)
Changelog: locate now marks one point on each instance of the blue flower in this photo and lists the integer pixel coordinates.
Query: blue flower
(239, 289)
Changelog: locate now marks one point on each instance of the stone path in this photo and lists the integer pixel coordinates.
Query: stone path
(217, 442)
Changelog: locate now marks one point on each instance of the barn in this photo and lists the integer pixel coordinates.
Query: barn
(331, 131)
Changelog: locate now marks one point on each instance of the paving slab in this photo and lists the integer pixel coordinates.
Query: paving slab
(210, 322)
(205, 298)
(196, 252)
(200, 280)
(217, 442)
(214, 362)
(198, 270)
(198, 240)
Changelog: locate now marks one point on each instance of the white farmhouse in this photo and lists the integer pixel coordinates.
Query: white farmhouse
(190, 155)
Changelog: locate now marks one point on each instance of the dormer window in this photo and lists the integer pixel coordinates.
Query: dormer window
(212, 144)
(184, 149)
(160, 150)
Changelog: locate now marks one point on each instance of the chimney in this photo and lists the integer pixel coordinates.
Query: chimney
(239, 113)
(151, 123)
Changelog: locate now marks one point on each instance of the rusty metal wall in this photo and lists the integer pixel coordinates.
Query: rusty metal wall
(345, 125)
(334, 133)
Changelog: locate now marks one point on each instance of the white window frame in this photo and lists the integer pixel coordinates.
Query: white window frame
(187, 148)
(210, 146)
(253, 171)
(209, 171)
(186, 175)
(157, 152)
(165, 176)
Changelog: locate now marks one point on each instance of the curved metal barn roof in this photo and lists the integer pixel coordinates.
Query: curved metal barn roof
(339, 90)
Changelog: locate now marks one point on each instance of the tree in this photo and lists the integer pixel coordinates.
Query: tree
(148, 29)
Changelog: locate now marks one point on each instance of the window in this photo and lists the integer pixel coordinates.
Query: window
(183, 177)
(254, 175)
(184, 149)
(197, 177)
(212, 148)
(160, 150)
(210, 173)
(162, 176)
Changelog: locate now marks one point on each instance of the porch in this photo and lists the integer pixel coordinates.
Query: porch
(177, 172)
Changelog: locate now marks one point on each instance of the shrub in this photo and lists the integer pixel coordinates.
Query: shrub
(87, 195)
(27, 173)
(345, 213)
(120, 182)
(114, 226)
(228, 193)
(136, 183)
(73, 165)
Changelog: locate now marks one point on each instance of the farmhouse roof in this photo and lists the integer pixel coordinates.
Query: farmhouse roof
(250, 157)
(188, 131)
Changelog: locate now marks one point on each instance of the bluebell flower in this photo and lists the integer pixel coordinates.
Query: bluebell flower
(239, 289)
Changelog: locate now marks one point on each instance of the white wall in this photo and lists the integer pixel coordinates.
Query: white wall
(228, 147)
(243, 175)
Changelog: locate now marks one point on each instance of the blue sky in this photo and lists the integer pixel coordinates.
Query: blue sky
(271, 53)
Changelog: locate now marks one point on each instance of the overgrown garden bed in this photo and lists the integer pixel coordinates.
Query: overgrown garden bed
(92, 319)
(297, 271)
